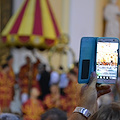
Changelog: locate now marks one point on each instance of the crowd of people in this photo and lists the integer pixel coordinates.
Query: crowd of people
(40, 90)
(54, 92)
(87, 107)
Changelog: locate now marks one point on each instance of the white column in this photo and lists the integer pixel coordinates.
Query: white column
(82, 20)
(65, 16)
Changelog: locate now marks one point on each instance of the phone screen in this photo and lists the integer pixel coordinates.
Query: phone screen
(107, 60)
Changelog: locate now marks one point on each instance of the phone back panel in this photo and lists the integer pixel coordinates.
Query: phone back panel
(87, 59)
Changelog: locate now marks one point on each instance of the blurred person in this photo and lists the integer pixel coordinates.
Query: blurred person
(87, 101)
(6, 88)
(43, 79)
(108, 112)
(70, 91)
(35, 68)
(54, 114)
(26, 79)
(8, 116)
(15, 105)
(55, 99)
(11, 73)
(33, 108)
(63, 82)
(76, 66)
(54, 78)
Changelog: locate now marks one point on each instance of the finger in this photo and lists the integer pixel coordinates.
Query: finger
(103, 87)
(103, 92)
(93, 80)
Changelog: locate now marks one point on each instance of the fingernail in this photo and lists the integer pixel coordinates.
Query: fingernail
(94, 74)
(85, 85)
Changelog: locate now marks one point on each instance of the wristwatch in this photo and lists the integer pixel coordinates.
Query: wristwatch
(85, 112)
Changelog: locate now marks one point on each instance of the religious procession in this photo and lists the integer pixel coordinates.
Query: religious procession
(43, 59)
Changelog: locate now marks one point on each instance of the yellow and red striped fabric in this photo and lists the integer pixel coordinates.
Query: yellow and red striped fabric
(33, 24)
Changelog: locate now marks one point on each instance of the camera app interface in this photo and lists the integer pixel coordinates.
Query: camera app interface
(107, 59)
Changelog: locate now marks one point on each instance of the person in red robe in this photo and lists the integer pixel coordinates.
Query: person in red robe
(26, 78)
(35, 68)
(24, 75)
(55, 99)
(6, 88)
(70, 91)
(33, 108)
(11, 72)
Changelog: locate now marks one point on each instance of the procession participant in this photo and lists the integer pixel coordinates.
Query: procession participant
(11, 72)
(87, 102)
(25, 76)
(54, 114)
(76, 66)
(10, 63)
(9, 116)
(33, 108)
(55, 99)
(43, 78)
(70, 91)
(63, 82)
(35, 68)
(54, 77)
(6, 88)
(35, 82)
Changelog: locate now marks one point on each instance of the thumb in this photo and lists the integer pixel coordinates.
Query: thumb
(93, 80)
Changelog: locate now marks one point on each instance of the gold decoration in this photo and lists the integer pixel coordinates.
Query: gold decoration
(61, 50)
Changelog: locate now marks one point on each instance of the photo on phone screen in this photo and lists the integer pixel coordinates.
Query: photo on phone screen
(107, 61)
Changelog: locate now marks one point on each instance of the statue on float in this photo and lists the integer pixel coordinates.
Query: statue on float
(111, 14)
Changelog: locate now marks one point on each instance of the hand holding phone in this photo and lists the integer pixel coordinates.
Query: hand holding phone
(100, 55)
(107, 60)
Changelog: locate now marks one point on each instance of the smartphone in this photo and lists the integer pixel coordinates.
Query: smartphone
(99, 54)
(107, 54)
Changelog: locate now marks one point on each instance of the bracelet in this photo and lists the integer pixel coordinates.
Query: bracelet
(85, 112)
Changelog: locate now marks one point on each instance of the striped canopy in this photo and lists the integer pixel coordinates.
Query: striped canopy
(33, 24)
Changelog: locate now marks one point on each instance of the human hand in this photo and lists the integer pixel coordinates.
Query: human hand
(89, 93)
(102, 89)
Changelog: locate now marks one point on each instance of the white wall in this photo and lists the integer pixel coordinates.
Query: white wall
(82, 18)
(16, 4)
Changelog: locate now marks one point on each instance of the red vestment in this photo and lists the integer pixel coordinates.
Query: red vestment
(27, 80)
(32, 111)
(12, 75)
(70, 92)
(50, 104)
(6, 90)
